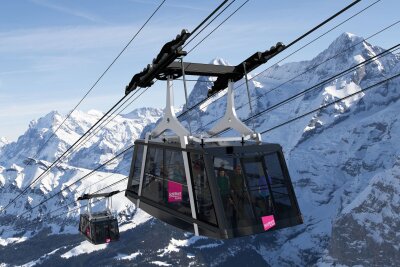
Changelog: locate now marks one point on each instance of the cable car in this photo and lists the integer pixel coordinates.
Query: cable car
(99, 227)
(234, 190)
(220, 187)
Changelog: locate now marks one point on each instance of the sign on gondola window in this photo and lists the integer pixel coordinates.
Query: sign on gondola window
(174, 192)
(268, 222)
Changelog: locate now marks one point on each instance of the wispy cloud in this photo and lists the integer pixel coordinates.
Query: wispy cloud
(69, 11)
(81, 38)
(37, 69)
(92, 37)
(200, 5)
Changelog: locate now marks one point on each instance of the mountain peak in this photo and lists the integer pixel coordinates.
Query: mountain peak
(220, 61)
(344, 41)
(143, 113)
(49, 119)
(349, 37)
(52, 114)
(95, 112)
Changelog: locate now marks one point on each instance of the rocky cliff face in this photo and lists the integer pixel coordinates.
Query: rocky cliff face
(367, 230)
(343, 160)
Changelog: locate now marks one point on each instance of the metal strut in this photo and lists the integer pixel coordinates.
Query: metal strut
(169, 120)
(230, 119)
(186, 95)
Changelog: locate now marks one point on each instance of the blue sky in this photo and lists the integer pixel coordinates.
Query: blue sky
(53, 51)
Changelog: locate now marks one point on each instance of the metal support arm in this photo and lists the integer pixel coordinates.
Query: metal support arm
(169, 120)
(230, 119)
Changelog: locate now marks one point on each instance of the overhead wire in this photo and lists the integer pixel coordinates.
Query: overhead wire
(331, 103)
(209, 16)
(109, 118)
(330, 58)
(347, 71)
(141, 94)
(219, 25)
(307, 70)
(291, 43)
(323, 23)
(315, 39)
(101, 76)
(211, 21)
(318, 85)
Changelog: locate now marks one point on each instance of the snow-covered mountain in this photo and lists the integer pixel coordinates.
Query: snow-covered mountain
(117, 134)
(344, 161)
(3, 142)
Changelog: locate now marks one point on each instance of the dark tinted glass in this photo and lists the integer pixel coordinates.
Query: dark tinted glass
(204, 203)
(251, 195)
(257, 182)
(234, 193)
(114, 232)
(137, 167)
(165, 180)
(105, 231)
(84, 225)
(153, 181)
(279, 186)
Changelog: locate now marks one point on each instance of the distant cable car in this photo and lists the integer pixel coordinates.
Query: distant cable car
(220, 187)
(99, 227)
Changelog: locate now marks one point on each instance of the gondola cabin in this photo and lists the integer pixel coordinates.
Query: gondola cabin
(235, 190)
(98, 227)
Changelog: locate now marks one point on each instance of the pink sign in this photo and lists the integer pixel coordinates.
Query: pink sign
(268, 222)
(174, 192)
(108, 240)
